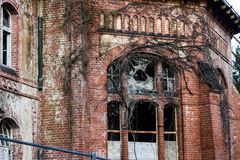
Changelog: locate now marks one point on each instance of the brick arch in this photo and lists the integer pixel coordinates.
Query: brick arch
(11, 5)
(11, 121)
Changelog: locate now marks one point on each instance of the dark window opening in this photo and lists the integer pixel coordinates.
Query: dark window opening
(169, 137)
(142, 122)
(169, 119)
(113, 116)
(113, 136)
(6, 18)
(113, 121)
(142, 137)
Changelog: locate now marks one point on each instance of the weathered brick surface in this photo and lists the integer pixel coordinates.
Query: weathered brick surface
(82, 126)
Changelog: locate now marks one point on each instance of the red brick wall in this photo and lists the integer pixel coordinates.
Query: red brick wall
(83, 125)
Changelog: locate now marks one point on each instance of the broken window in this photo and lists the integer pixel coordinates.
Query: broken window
(168, 79)
(113, 77)
(142, 131)
(170, 132)
(113, 130)
(141, 75)
(5, 147)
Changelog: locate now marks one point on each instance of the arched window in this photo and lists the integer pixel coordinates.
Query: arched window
(6, 36)
(113, 77)
(151, 25)
(167, 26)
(110, 21)
(113, 114)
(135, 23)
(174, 27)
(168, 78)
(127, 23)
(102, 20)
(143, 24)
(159, 25)
(170, 132)
(119, 22)
(181, 30)
(5, 147)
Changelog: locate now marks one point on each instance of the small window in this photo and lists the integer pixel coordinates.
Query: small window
(151, 25)
(168, 79)
(102, 20)
(174, 27)
(181, 30)
(6, 37)
(135, 23)
(127, 23)
(110, 21)
(143, 24)
(167, 26)
(5, 147)
(113, 77)
(159, 25)
(119, 22)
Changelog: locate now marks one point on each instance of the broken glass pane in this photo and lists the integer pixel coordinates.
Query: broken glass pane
(141, 74)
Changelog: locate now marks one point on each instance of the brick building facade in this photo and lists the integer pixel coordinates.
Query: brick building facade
(125, 79)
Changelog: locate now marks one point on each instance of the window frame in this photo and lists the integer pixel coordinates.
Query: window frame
(4, 145)
(8, 31)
